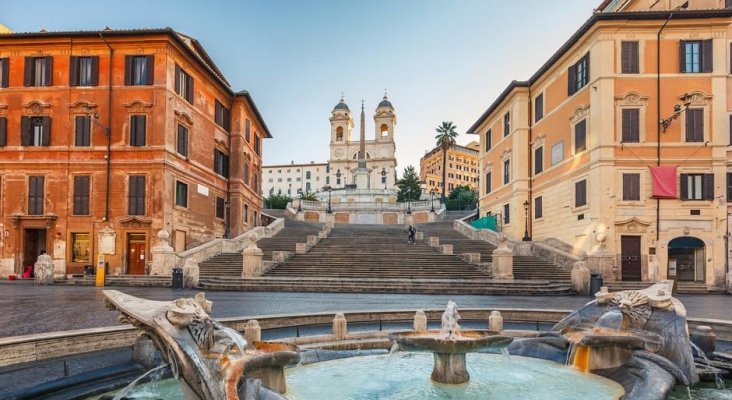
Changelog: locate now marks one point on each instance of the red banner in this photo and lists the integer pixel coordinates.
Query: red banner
(664, 182)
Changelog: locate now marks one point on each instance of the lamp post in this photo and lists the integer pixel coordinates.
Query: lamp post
(328, 210)
(383, 176)
(526, 238)
(409, 200)
(432, 200)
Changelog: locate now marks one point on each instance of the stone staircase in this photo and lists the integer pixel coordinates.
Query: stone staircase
(524, 267)
(230, 264)
(121, 280)
(682, 287)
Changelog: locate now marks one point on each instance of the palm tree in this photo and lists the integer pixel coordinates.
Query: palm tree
(446, 135)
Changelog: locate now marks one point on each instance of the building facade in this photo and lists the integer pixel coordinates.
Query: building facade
(292, 179)
(462, 168)
(108, 137)
(579, 142)
(380, 151)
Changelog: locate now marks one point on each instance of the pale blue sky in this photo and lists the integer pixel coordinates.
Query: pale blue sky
(439, 60)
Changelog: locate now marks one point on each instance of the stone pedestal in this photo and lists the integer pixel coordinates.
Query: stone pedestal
(163, 255)
(419, 235)
(280, 256)
(495, 322)
(580, 278)
(420, 321)
(253, 332)
(446, 249)
(361, 178)
(503, 261)
(602, 261)
(43, 270)
(434, 241)
(301, 248)
(252, 265)
(191, 273)
(312, 240)
(340, 326)
(471, 258)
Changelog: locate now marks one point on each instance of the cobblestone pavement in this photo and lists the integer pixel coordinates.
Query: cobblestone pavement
(27, 309)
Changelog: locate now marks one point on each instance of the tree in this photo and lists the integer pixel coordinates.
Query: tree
(277, 201)
(462, 197)
(445, 137)
(308, 196)
(409, 188)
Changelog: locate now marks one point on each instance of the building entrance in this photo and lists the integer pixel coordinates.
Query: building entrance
(686, 255)
(136, 253)
(630, 256)
(34, 240)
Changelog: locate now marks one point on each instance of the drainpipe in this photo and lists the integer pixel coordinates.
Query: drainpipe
(658, 120)
(108, 130)
(530, 224)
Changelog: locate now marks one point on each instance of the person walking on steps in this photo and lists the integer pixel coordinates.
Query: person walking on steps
(411, 233)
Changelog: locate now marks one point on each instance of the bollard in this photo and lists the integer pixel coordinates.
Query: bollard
(420, 321)
(252, 332)
(495, 322)
(340, 326)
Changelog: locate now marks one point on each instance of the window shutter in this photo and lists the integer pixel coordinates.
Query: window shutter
(79, 131)
(684, 186)
(95, 70)
(626, 187)
(708, 187)
(28, 72)
(706, 56)
(682, 55)
(140, 121)
(177, 79)
(46, 131)
(699, 125)
(729, 187)
(150, 70)
(571, 79)
(586, 60)
(49, 71)
(3, 132)
(25, 127)
(74, 71)
(730, 130)
(128, 70)
(189, 89)
(85, 195)
(132, 196)
(6, 72)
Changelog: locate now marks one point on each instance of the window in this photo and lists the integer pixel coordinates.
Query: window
(631, 187)
(246, 210)
(247, 130)
(557, 152)
(182, 141)
(729, 187)
(487, 182)
(138, 126)
(578, 75)
(580, 136)
(139, 70)
(730, 132)
(695, 56)
(539, 107)
(307, 174)
(35, 131)
(538, 208)
(222, 116)
(35, 195)
(82, 130)
(327, 180)
(580, 193)
(629, 58)
(307, 185)
(506, 172)
(506, 124)
(506, 214)
(183, 84)
(694, 125)
(258, 144)
(181, 194)
(221, 163)
(136, 196)
(38, 71)
(630, 125)
(4, 72)
(84, 71)
(246, 172)
(697, 186)
(538, 160)
(219, 208)
(81, 195)
(3, 131)
(80, 247)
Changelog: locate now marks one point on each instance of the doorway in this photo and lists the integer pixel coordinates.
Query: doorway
(34, 240)
(687, 254)
(136, 253)
(630, 256)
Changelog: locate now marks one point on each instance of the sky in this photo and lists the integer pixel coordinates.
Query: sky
(437, 60)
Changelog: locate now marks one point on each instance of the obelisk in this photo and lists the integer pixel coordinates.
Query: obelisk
(361, 173)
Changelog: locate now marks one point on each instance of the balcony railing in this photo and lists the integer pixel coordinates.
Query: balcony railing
(422, 205)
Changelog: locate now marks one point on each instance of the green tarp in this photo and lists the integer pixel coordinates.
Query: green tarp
(489, 222)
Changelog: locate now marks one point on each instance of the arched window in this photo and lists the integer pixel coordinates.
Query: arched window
(384, 130)
(686, 256)
(339, 134)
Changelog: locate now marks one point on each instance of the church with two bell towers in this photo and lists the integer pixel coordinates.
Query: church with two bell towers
(358, 162)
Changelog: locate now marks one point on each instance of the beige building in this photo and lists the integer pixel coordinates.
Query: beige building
(580, 139)
(291, 179)
(462, 168)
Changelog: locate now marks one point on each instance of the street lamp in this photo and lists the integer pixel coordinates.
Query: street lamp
(409, 200)
(432, 200)
(526, 238)
(678, 109)
(383, 176)
(328, 210)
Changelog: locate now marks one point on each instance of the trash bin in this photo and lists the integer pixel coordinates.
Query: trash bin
(177, 278)
(89, 270)
(595, 283)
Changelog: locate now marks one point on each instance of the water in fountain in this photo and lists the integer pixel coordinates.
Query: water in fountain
(450, 318)
(717, 379)
(123, 393)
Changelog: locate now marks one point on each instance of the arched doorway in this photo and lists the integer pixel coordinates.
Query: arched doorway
(687, 255)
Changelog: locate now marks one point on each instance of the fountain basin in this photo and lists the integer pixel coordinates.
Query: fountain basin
(267, 361)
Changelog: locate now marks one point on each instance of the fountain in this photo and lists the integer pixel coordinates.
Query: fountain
(212, 361)
(449, 346)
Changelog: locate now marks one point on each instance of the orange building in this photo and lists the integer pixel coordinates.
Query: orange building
(118, 135)
(462, 168)
(577, 142)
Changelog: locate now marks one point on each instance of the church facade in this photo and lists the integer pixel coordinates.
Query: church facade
(380, 151)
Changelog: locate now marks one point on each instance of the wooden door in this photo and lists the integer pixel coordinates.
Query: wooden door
(630, 258)
(136, 254)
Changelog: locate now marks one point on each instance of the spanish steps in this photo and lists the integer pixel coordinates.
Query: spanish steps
(365, 258)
